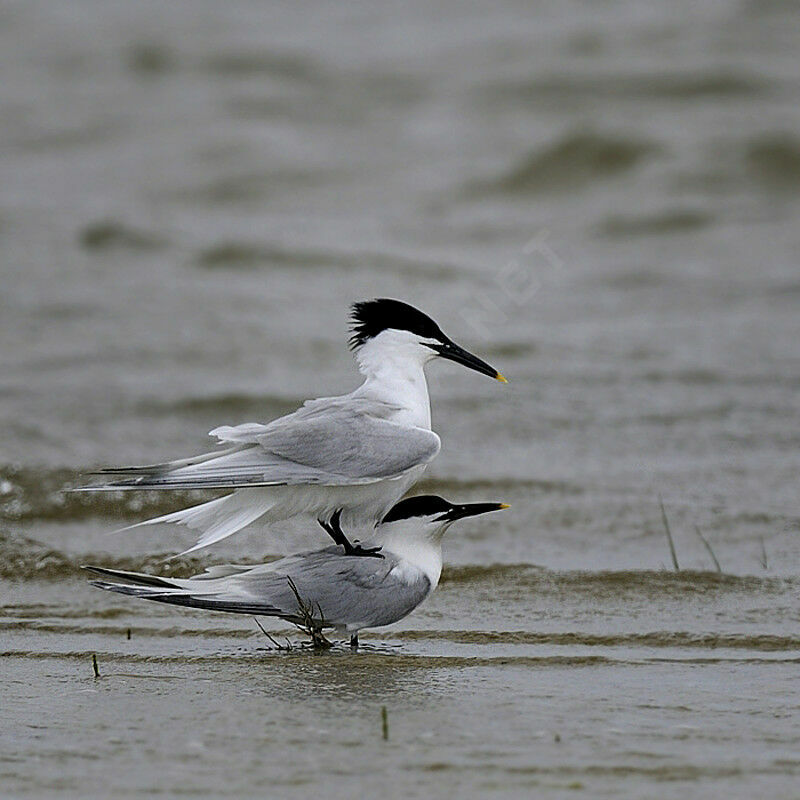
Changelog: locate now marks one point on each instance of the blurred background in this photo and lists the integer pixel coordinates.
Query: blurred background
(599, 198)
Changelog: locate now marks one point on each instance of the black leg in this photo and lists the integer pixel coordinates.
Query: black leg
(334, 530)
(354, 642)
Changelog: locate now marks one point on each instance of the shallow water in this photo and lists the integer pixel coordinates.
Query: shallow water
(601, 201)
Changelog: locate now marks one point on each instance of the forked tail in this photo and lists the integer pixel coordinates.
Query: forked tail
(189, 593)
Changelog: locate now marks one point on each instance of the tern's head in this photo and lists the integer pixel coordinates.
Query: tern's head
(429, 516)
(388, 328)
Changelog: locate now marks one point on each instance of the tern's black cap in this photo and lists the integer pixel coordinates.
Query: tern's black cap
(371, 317)
(424, 505)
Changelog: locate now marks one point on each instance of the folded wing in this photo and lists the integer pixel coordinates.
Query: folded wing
(325, 443)
(342, 591)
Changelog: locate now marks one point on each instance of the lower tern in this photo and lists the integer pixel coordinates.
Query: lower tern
(353, 456)
(323, 588)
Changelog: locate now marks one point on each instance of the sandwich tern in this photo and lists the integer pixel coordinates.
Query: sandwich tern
(353, 455)
(333, 589)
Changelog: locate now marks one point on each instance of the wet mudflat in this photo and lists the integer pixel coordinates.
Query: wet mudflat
(508, 680)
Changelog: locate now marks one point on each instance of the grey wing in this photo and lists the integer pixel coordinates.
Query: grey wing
(339, 590)
(350, 441)
(329, 442)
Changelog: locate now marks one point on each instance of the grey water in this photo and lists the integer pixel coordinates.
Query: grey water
(601, 199)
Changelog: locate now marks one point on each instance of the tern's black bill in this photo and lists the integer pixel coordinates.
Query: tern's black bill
(452, 352)
(472, 510)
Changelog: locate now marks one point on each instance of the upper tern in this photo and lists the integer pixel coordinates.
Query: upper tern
(352, 456)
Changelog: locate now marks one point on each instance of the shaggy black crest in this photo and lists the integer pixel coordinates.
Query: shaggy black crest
(371, 317)
(423, 506)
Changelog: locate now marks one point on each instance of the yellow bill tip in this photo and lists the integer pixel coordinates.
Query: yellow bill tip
(504, 505)
(500, 378)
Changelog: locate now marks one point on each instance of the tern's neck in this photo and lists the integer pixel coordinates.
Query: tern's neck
(397, 379)
(420, 551)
